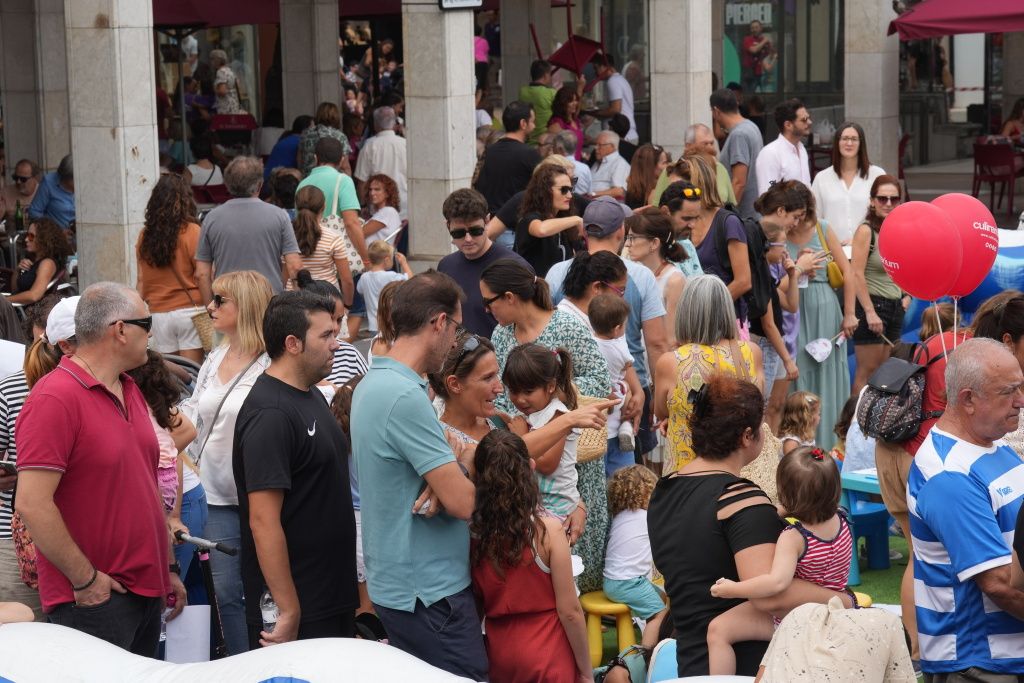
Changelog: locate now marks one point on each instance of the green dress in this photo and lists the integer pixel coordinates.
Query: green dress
(821, 317)
(590, 373)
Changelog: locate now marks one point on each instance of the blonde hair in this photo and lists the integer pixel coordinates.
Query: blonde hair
(251, 293)
(558, 161)
(798, 414)
(946, 317)
(379, 251)
(704, 176)
(630, 488)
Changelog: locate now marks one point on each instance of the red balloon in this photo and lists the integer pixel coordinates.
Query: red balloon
(920, 249)
(979, 239)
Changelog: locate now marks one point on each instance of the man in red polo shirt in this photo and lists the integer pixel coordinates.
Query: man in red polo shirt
(87, 459)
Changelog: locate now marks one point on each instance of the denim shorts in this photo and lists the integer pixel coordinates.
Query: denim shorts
(643, 597)
(890, 311)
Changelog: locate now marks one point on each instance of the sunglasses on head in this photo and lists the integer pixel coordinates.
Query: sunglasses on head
(471, 344)
(219, 299)
(691, 192)
(460, 233)
(145, 323)
(887, 199)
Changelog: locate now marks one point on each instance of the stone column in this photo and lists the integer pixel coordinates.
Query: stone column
(111, 73)
(871, 66)
(517, 49)
(717, 40)
(439, 90)
(309, 55)
(680, 69)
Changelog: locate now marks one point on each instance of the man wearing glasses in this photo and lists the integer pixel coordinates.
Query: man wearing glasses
(87, 455)
(465, 212)
(22, 190)
(786, 158)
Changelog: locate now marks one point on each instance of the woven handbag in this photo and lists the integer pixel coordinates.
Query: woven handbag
(593, 443)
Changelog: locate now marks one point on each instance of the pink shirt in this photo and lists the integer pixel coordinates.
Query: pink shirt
(107, 496)
(481, 49)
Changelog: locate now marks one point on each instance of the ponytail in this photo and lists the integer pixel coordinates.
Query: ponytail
(563, 378)
(542, 294)
(510, 275)
(40, 359)
(309, 206)
(577, 278)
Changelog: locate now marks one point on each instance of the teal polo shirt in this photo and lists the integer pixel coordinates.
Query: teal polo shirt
(396, 439)
(326, 178)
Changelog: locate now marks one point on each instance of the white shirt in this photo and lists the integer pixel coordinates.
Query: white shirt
(12, 357)
(205, 176)
(616, 354)
(392, 224)
(629, 549)
(782, 160)
(584, 180)
(385, 153)
(843, 207)
(616, 87)
(611, 172)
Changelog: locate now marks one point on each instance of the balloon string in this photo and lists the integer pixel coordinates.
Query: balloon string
(942, 335)
(956, 302)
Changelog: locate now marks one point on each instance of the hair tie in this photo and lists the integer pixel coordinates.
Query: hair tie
(558, 356)
(817, 454)
(534, 279)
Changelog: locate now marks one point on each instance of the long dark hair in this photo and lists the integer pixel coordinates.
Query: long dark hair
(51, 242)
(160, 388)
(309, 204)
(873, 220)
(169, 209)
(643, 174)
(586, 268)
(341, 407)
(1006, 317)
(863, 165)
(781, 195)
(509, 275)
(560, 106)
(537, 198)
(507, 500)
(531, 366)
(656, 224)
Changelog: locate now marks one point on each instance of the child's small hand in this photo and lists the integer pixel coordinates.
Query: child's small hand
(723, 588)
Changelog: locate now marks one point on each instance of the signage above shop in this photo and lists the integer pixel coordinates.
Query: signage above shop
(460, 4)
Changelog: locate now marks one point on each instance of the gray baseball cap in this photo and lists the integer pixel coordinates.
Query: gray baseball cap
(604, 216)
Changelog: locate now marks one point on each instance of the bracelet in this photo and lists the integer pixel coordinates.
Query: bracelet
(798, 269)
(95, 573)
(580, 506)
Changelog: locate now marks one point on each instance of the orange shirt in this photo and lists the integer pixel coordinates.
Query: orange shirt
(160, 288)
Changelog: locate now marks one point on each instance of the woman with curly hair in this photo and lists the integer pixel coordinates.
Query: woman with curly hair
(322, 248)
(547, 227)
(48, 250)
(565, 115)
(166, 280)
(381, 199)
(522, 572)
(645, 169)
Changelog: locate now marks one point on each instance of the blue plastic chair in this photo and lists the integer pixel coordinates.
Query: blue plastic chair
(870, 521)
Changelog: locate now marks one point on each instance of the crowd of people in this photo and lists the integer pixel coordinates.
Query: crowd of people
(609, 349)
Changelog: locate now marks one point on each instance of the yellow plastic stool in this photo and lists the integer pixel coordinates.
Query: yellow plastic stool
(596, 604)
(863, 599)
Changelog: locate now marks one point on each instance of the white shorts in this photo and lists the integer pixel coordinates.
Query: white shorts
(173, 331)
(360, 564)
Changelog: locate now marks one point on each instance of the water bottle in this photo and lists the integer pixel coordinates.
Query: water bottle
(268, 608)
(162, 645)
(19, 217)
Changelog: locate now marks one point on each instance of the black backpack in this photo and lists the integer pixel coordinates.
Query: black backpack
(890, 407)
(761, 282)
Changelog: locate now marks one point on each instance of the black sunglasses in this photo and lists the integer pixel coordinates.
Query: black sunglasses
(460, 233)
(469, 346)
(145, 323)
(219, 299)
(20, 178)
(491, 300)
(566, 190)
(887, 199)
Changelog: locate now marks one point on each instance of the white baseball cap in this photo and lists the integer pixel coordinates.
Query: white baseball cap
(60, 324)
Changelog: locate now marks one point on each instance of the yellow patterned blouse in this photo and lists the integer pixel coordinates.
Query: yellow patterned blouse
(694, 363)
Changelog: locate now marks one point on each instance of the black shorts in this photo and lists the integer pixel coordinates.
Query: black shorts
(890, 311)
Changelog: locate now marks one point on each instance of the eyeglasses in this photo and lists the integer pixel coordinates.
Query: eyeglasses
(565, 190)
(848, 139)
(805, 119)
(574, 180)
(887, 199)
(621, 291)
(218, 300)
(633, 236)
(491, 300)
(20, 178)
(145, 323)
(460, 233)
(469, 346)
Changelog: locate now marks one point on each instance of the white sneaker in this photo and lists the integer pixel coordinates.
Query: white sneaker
(626, 441)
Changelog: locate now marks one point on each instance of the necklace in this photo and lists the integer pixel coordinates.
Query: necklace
(95, 376)
(664, 264)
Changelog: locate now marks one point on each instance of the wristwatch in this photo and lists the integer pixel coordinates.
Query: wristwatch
(175, 568)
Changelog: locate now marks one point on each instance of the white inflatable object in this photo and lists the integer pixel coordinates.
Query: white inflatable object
(44, 653)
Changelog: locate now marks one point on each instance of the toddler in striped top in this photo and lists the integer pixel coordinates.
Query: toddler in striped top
(815, 545)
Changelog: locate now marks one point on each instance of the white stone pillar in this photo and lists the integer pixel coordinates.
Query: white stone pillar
(872, 78)
(309, 55)
(717, 40)
(680, 69)
(439, 93)
(111, 73)
(517, 48)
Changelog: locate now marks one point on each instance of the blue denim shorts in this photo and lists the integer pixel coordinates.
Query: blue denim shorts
(643, 597)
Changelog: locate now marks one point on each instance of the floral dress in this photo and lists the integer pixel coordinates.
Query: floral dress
(590, 373)
(307, 145)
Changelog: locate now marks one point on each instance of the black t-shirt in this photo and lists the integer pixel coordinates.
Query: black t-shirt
(693, 549)
(755, 325)
(508, 165)
(467, 274)
(508, 214)
(288, 439)
(541, 252)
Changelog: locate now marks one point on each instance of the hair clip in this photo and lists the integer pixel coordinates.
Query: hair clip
(700, 400)
(772, 182)
(557, 356)
(817, 454)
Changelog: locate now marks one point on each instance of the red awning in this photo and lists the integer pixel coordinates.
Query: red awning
(933, 18)
(214, 12)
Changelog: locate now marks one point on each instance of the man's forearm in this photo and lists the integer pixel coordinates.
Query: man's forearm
(204, 280)
(52, 539)
(272, 554)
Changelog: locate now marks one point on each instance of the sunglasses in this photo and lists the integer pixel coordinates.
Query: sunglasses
(218, 300)
(469, 346)
(887, 199)
(145, 323)
(488, 301)
(460, 233)
(20, 178)
(566, 190)
(621, 291)
(691, 192)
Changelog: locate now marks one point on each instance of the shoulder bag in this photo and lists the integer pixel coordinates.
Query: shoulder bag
(835, 273)
(209, 432)
(335, 222)
(201, 320)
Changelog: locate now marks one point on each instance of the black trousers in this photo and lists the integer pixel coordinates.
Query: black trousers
(130, 621)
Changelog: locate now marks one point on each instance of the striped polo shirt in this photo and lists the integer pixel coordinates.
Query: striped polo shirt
(963, 501)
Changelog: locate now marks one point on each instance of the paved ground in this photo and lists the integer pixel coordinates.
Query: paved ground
(925, 183)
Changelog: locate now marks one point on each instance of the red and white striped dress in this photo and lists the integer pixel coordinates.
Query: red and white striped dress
(826, 563)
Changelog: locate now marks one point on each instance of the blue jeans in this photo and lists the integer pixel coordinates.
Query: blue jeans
(193, 515)
(222, 526)
(615, 459)
(772, 363)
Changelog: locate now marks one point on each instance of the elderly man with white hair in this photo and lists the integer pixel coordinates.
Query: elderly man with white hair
(611, 171)
(964, 495)
(564, 143)
(384, 154)
(699, 139)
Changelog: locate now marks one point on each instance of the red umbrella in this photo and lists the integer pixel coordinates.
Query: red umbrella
(933, 18)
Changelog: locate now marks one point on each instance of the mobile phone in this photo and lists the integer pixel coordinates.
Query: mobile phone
(8, 468)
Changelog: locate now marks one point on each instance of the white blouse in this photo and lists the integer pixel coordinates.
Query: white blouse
(843, 207)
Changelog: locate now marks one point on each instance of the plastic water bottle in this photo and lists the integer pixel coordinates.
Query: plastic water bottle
(268, 608)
